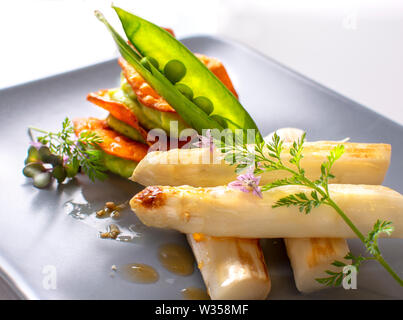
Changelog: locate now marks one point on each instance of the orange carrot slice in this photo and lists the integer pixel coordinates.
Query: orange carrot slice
(113, 143)
(117, 109)
(170, 31)
(146, 95)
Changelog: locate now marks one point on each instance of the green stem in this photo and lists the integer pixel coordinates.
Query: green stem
(37, 129)
(346, 219)
(378, 257)
(388, 268)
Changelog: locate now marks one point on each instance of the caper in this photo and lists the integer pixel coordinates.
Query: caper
(221, 121)
(33, 168)
(185, 90)
(115, 214)
(100, 213)
(45, 154)
(174, 70)
(42, 179)
(114, 231)
(110, 205)
(204, 103)
(105, 235)
(59, 173)
(33, 155)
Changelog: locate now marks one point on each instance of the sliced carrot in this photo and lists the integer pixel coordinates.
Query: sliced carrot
(144, 92)
(117, 109)
(113, 143)
(150, 98)
(169, 30)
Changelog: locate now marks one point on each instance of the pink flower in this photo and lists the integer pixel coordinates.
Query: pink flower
(36, 144)
(247, 182)
(205, 141)
(65, 159)
(260, 166)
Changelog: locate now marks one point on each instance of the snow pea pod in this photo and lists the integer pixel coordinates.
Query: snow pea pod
(153, 41)
(190, 113)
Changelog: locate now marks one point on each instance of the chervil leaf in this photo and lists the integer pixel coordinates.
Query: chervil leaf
(296, 153)
(300, 200)
(371, 241)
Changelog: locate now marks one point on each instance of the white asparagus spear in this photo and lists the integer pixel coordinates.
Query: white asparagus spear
(225, 212)
(361, 163)
(232, 269)
(310, 257)
(285, 134)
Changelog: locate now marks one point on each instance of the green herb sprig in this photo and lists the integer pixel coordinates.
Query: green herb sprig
(268, 157)
(68, 153)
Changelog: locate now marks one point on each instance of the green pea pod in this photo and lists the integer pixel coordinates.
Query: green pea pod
(153, 41)
(190, 113)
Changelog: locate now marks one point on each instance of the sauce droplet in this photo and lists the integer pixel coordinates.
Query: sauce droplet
(139, 273)
(192, 293)
(176, 258)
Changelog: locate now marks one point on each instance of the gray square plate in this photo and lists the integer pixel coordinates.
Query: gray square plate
(38, 234)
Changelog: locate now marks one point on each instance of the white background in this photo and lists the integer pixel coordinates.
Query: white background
(353, 47)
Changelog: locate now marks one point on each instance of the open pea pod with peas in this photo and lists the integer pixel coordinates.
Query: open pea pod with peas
(176, 74)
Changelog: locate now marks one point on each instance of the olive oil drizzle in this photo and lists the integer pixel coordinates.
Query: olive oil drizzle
(192, 293)
(139, 273)
(176, 259)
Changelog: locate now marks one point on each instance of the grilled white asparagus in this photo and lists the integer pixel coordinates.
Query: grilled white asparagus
(361, 163)
(310, 257)
(232, 269)
(225, 212)
(285, 134)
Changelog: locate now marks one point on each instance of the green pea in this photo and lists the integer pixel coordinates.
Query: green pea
(33, 168)
(33, 155)
(221, 121)
(146, 63)
(204, 103)
(44, 154)
(59, 173)
(154, 62)
(42, 180)
(185, 90)
(71, 171)
(174, 70)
